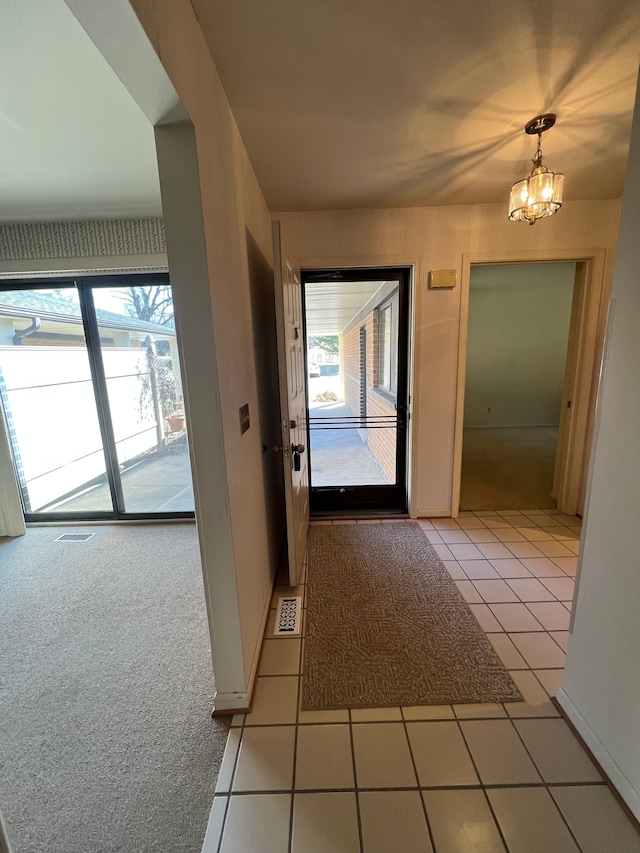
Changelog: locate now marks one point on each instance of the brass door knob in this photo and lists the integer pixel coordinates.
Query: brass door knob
(297, 448)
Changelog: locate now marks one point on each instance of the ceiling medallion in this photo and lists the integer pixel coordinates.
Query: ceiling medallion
(540, 193)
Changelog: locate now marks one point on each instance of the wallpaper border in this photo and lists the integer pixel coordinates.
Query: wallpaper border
(89, 238)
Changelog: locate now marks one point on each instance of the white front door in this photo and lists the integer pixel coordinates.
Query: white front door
(293, 405)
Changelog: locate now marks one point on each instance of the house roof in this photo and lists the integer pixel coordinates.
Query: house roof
(30, 303)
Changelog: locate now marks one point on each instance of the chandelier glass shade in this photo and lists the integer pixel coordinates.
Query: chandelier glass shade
(540, 193)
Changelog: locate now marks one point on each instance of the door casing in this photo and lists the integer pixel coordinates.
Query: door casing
(415, 265)
(579, 386)
(396, 497)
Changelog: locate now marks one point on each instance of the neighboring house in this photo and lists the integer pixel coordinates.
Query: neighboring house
(36, 318)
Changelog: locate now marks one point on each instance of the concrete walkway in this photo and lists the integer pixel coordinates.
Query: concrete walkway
(339, 457)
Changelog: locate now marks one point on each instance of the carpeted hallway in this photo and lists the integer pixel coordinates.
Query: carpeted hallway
(106, 742)
(508, 468)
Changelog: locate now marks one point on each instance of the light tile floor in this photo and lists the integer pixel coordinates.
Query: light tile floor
(450, 779)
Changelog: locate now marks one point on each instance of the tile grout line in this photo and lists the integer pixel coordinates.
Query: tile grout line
(503, 786)
(355, 782)
(546, 784)
(415, 770)
(480, 717)
(231, 781)
(298, 700)
(551, 698)
(484, 789)
(224, 820)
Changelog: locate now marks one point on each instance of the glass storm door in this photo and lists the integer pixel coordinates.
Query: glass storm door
(356, 328)
(91, 394)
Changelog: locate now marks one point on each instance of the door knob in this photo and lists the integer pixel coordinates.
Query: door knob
(277, 448)
(297, 448)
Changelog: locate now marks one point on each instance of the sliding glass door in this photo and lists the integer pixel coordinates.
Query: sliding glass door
(92, 397)
(48, 400)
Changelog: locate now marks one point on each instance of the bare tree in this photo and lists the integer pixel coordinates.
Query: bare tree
(153, 304)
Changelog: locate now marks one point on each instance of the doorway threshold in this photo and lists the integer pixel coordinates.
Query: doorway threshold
(102, 522)
(358, 514)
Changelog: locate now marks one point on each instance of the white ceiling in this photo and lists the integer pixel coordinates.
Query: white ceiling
(365, 103)
(330, 305)
(372, 103)
(73, 143)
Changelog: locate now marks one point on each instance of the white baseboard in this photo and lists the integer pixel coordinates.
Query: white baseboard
(508, 426)
(258, 649)
(230, 702)
(620, 782)
(433, 513)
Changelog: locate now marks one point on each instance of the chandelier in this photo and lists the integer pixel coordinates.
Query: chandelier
(540, 193)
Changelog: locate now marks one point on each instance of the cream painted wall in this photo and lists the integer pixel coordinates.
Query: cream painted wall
(519, 318)
(231, 202)
(601, 690)
(437, 238)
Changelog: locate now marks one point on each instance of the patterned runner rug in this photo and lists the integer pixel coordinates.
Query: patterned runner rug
(387, 626)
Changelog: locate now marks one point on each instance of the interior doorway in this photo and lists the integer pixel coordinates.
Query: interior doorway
(517, 342)
(357, 345)
(91, 393)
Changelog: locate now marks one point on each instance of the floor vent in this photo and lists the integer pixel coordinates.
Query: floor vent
(288, 617)
(75, 537)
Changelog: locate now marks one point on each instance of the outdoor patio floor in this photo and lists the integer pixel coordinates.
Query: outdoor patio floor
(155, 484)
(339, 457)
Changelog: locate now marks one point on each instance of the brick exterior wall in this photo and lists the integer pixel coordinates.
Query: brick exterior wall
(381, 442)
(351, 367)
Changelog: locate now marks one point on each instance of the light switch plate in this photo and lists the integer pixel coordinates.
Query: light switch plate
(443, 278)
(245, 421)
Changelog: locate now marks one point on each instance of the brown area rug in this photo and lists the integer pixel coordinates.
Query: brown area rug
(387, 626)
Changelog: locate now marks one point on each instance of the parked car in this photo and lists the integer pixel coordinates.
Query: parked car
(314, 368)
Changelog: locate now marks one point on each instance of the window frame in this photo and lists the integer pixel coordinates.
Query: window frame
(391, 305)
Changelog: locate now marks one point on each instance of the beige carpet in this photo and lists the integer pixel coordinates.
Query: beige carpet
(386, 625)
(106, 741)
(508, 468)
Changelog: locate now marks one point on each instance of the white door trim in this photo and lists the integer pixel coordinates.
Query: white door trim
(293, 401)
(417, 283)
(584, 340)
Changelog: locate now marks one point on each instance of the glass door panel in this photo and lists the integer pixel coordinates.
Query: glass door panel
(143, 385)
(49, 403)
(356, 324)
